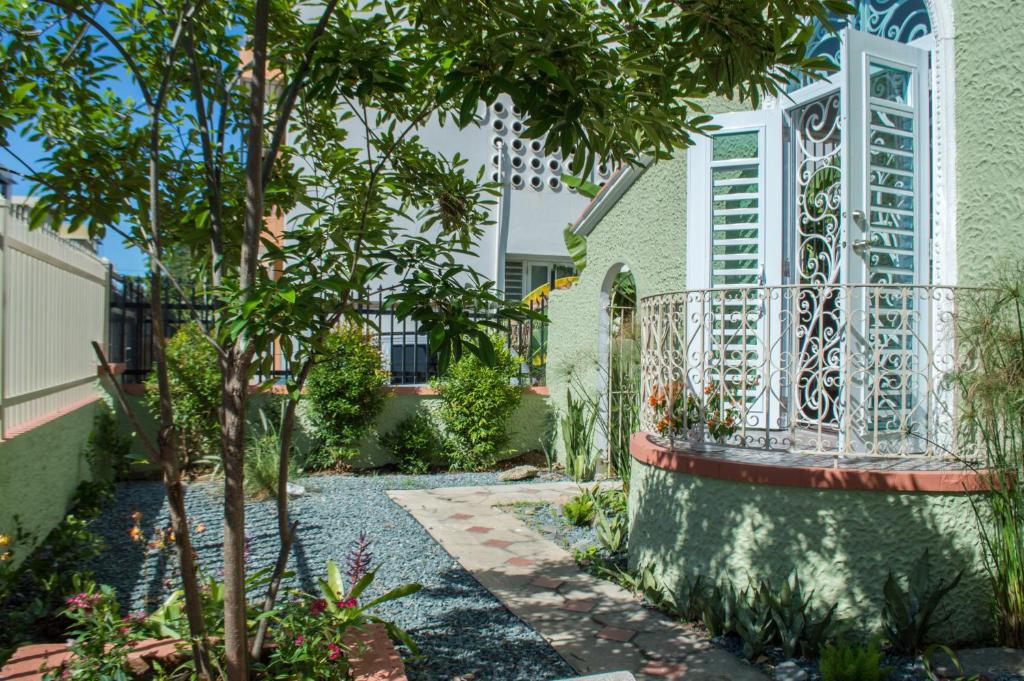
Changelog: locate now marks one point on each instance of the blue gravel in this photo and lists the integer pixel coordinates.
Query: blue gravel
(551, 523)
(463, 631)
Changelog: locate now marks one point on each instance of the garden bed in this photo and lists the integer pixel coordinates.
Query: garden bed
(461, 629)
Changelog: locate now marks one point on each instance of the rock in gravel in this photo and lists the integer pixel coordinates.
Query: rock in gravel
(518, 473)
(789, 671)
(295, 490)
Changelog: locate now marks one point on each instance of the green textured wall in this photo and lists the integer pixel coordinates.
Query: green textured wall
(841, 543)
(526, 427)
(989, 53)
(645, 231)
(40, 469)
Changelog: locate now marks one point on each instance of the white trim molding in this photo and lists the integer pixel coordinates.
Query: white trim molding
(609, 195)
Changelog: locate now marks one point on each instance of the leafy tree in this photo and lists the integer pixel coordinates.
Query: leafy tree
(205, 142)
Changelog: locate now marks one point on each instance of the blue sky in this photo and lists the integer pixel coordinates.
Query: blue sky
(126, 260)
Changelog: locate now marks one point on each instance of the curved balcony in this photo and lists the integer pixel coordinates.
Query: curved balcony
(840, 370)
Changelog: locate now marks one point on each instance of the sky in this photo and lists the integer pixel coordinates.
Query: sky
(126, 260)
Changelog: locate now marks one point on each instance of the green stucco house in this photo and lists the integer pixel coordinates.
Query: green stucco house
(796, 273)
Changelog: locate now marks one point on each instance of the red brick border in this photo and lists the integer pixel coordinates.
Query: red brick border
(645, 450)
(379, 661)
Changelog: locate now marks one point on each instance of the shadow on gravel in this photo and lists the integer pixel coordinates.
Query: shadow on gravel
(123, 561)
(470, 632)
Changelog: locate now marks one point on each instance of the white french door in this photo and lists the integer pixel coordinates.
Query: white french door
(734, 247)
(887, 221)
(808, 229)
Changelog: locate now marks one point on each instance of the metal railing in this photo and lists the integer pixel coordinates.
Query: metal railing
(403, 345)
(826, 369)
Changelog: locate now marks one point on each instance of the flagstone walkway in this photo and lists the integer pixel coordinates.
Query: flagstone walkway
(596, 626)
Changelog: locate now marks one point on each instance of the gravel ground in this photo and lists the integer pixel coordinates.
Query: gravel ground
(463, 631)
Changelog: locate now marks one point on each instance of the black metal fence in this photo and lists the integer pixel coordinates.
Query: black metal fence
(403, 345)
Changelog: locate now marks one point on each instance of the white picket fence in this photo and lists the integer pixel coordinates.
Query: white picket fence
(53, 304)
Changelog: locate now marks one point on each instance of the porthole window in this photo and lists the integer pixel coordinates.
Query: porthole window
(554, 183)
(498, 108)
(536, 163)
(517, 145)
(517, 180)
(536, 182)
(517, 127)
(498, 125)
(494, 177)
(494, 160)
(554, 165)
(536, 146)
(517, 163)
(602, 169)
(496, 142)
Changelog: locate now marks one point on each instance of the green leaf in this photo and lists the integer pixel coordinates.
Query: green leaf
(398, 592)
(576, 244)
(584, 187)
(334, 579)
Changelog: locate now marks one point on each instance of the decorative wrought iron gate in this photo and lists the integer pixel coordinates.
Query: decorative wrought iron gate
(623, 380)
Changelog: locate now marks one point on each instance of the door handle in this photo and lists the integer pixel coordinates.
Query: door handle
(860, 246)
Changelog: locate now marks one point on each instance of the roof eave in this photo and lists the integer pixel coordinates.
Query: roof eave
(617, 185)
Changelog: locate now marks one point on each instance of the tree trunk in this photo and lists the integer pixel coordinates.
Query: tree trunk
(285, 528)
(235, 387)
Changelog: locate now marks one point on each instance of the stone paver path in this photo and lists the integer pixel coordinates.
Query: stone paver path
(596, 626)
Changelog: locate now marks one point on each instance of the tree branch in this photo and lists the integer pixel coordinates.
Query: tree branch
(287, 102)
(122, 400)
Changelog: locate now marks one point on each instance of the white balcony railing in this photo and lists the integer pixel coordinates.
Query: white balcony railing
(834, 369)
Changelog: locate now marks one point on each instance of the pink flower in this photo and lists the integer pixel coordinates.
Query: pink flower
(351, 603)
(299, 640)
(82, 601)
(317, 607)
(333, 651)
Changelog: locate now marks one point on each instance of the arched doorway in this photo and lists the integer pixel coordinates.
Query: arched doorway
(620, 375)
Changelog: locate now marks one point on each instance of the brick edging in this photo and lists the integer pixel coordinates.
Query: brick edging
(32, 424)
(645, 450)
(380, 662)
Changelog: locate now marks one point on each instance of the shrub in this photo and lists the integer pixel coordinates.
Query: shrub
(844, 661)
(581, 509)
(102, 638)
(991, 338)
(193, 371)
(107, 449)
(476, 403)
(343, 393)
(907, 617)
(31, 594)
(415, 442)
(578, 424)
(262, 460)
